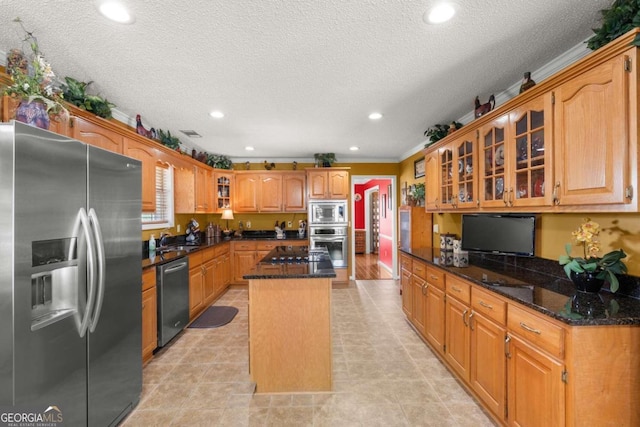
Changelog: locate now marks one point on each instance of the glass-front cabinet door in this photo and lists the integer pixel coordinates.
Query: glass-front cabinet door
(223, 190)
(493, 167)
(465, 171)
(529, 152)
(447, 194)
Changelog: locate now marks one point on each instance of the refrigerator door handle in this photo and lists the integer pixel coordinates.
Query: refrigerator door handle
(83, 220)
(100, 258)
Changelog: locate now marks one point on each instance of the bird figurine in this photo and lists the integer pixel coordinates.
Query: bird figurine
(484, 108)
(269, 166)
(151, 133)
(527, 82)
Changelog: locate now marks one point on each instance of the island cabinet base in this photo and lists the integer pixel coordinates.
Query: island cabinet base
(290, 334)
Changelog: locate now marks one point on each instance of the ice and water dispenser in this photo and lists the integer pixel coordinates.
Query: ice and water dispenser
(54, 281)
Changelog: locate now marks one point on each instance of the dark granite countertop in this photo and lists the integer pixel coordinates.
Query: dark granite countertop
(161, 258)
(286, 262)
(541, 285)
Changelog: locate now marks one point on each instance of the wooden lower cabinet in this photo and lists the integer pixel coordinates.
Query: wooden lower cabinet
(244, 259)
(407, 292)
(149, 314)
(247, 253)
(222, 277)
(535, 387)
(418, 296)
(209, 276)
(458, 337)
(525, 368)
(196, 285)
(434, 322)
(488, 370)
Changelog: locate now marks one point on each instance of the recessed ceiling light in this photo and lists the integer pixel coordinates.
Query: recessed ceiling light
(440, 13)
(375, 116)
(216, 114)
(249, 148)
(115, 11)
(354, 148)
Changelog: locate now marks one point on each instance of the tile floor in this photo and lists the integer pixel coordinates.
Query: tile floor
(384, 375)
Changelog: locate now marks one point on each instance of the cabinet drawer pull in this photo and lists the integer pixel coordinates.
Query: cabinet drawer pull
(433, 277)
(529, 328)
(455, 288)
(485, 305)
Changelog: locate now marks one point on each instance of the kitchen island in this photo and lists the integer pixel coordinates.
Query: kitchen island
(290, 321)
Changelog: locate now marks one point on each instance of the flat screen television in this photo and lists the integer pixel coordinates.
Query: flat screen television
(506, 234)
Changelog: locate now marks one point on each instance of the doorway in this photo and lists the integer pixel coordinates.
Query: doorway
(373, 219)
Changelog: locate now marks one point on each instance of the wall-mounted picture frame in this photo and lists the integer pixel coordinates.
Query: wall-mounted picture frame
(418, 168)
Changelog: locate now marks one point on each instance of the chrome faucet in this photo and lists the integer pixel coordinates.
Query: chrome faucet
(163, 237)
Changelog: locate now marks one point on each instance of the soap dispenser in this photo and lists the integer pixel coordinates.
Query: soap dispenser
(152, 244)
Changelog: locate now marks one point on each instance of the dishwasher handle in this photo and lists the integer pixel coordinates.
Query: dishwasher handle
(175, 268)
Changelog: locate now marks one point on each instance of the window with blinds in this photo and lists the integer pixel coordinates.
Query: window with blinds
(163, 215)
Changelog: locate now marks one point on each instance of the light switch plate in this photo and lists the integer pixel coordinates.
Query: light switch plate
(248, 224)
(289, 224)
(436, 228)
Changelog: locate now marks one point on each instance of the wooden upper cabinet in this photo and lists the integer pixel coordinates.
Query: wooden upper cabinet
(245, 196)
(328, 183)
(592, 134)
(96, 135)
(294, 186)
(516, 154)
(184, 194)
(530, 153)
(148, 156)
(465, 170)
(432, 180)
(203, 190)
(494, 184)
(270, 193)
(223, 190)
(445, 177)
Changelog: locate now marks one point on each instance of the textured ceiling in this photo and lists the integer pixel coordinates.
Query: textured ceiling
(297, 77)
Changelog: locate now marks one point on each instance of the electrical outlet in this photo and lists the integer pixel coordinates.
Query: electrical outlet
(248, 224)
(436, 228)
(289, 224)
(178, 228)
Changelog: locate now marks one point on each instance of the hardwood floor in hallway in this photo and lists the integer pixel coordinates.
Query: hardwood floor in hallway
(368, 268)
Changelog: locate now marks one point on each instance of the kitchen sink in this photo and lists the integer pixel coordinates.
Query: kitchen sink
(179, 248)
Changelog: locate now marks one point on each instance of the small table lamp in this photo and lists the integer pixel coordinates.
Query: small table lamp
(228, 215)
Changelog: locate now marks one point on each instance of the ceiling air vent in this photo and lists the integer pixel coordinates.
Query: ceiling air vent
(191, 133)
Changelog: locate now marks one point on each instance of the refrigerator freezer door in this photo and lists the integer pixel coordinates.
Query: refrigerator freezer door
(47, 184)
(115, 345)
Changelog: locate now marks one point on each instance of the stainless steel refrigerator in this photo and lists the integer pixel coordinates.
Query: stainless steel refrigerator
(70, 278)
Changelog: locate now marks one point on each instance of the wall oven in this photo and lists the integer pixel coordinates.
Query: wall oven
(332, 237)
(328, 212)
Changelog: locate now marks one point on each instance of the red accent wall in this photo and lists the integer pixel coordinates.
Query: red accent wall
(386, 223)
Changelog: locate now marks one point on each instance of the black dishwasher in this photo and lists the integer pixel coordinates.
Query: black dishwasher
(173, 299)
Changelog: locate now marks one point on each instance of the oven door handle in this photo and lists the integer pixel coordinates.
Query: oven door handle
(327, 239)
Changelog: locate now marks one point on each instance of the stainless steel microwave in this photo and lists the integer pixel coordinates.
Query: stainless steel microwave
(328, 212)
